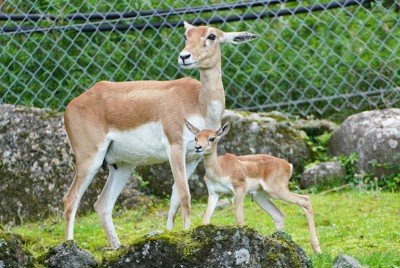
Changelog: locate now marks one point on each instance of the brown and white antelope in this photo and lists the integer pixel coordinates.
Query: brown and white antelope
(126, 124)
(261, 175)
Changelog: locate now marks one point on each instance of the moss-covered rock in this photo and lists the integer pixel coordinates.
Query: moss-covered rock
(12, 252)
(68, 255)
(204, 246)
(211, 246)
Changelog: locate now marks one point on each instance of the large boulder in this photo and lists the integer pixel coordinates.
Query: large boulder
(211, 246)
(322, 173)
(251, 133)
(374, 136)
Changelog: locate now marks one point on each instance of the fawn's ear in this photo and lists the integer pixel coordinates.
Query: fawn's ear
(191, 128)
(224, 129)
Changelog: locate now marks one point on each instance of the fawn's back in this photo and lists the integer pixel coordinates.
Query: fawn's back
(254, 171)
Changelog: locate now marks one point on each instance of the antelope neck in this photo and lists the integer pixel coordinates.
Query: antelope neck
(212, 96)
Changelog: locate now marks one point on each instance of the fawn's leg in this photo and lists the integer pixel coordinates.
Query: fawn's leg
(239, 195)
(304, 202)
(262, 199)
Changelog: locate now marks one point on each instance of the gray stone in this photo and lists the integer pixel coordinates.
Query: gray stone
(345, 261)
(374, 136)
(68, 255)
(321, 173)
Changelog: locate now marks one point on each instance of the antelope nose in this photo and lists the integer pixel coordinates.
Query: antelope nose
(197, 148)
(184, 56)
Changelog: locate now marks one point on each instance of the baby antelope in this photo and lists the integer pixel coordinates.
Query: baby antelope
(261, 175)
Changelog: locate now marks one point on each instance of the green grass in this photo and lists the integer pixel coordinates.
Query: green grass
(365, 225)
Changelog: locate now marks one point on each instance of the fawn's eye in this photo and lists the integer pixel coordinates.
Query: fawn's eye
(195, 139)
(212, 139)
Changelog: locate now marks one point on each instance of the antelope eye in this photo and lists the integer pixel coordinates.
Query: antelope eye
(195, 139)
(212, 139)
(212, 37)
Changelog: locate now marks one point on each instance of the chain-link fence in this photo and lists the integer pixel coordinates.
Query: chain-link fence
(323, 58)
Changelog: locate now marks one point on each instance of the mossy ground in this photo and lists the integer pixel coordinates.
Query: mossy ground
(365, 225)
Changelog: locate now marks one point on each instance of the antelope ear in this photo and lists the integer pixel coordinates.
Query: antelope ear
(224, 129)
(187, 25)
(191, 128)
(237, 37)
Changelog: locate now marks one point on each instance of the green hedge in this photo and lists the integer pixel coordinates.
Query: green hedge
(296, 59)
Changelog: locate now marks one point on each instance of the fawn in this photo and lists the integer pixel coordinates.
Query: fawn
(261, 175)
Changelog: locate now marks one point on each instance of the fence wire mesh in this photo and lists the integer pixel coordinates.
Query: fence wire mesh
(312, 57)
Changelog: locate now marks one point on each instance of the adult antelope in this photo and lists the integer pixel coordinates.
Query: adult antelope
(126, 124)
(260, 175)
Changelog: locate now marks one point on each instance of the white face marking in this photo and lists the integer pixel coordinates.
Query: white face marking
(208, 41)
(186, 60)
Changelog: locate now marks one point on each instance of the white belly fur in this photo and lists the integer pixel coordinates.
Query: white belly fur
(147, 144)
(253, 184)
(224, 185)
(144, 145)
(221, 185)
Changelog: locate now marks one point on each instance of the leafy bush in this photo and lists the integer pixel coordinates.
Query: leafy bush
(367, 181)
